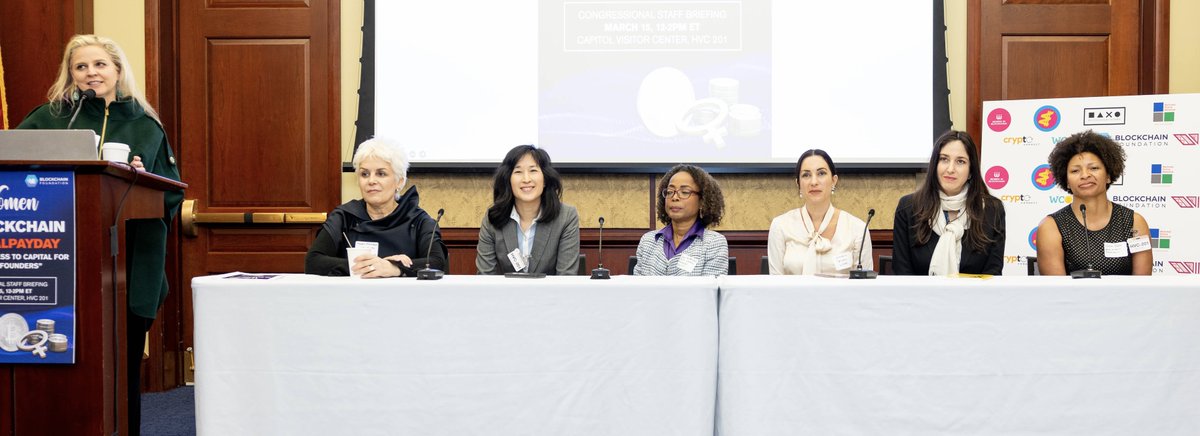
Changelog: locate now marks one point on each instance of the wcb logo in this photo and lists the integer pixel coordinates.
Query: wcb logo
(1061, 199)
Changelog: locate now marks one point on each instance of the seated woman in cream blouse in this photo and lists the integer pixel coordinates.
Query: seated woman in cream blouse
(816, 238)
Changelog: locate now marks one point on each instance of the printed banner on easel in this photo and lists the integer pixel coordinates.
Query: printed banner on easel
(37, 267)
(1161, 138)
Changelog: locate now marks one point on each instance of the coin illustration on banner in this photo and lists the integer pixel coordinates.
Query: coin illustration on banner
(13, 328)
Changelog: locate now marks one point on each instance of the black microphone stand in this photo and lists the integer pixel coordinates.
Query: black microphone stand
(428, 273)
(600, 273)
(858, 272)
(86, 94)
(1090, 272)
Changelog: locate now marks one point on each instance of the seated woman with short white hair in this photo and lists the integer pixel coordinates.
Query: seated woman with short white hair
(385, 216)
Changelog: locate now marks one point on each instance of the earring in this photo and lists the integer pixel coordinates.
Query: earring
(833, 189)
(75, 94)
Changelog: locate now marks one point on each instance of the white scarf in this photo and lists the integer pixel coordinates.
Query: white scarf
(948, 251)
(815, 243)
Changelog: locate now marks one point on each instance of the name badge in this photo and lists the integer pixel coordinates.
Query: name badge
(687, 263)
(1116, 249)
(1139, 244)
(517, 259)
(367, 245)
(843, 261)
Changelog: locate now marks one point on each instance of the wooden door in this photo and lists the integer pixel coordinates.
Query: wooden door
(258, 95)
(1022, 49)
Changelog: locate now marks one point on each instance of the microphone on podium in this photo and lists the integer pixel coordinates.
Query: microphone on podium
(600, 273)
(86, 94)
(858, 272)
(428, 273)
(1090, 272)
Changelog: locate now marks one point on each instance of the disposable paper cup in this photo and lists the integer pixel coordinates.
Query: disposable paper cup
(353, 253)
(115, 152)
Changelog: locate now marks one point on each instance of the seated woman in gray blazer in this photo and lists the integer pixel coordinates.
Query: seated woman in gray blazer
(689, 203)
(528, 228)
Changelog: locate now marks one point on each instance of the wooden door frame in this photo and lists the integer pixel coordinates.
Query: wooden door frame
(166, 366)
(1153, 62)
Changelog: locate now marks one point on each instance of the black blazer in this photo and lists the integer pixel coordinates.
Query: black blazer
(908, 258)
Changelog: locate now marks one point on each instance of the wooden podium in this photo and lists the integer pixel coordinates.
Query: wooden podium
(88, 397)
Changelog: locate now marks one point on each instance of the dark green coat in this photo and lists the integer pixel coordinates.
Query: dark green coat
(146, 239)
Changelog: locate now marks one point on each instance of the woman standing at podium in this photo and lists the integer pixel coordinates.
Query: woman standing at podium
(119, 113)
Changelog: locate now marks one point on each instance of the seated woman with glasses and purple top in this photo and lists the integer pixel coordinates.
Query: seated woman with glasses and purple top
(690, 201)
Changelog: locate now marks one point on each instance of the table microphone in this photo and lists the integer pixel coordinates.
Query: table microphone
(428, 273)
(858, 272)
(1089, 272)
(86, 94)
(600, 273)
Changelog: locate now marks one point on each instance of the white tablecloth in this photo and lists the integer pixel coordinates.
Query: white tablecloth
(460, 356)
(922, 355)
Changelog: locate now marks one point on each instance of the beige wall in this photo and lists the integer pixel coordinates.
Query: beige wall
(752, 199)
(124, 21)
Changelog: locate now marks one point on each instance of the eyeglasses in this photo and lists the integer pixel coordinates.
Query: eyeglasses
(683, 194)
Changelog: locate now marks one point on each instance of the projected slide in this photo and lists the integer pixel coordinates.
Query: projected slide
(655, 81)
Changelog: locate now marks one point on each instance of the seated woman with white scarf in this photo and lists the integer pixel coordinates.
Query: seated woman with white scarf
(951, 224)
(817, 238)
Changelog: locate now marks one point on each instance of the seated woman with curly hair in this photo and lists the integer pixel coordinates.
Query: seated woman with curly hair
(1092, 232)
(689, 203)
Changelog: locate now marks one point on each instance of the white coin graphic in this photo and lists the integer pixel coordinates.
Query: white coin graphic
(665, 94)
(13, 327)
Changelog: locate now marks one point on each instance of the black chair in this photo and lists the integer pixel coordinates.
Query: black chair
(632, 264)
(885, 265)
(733, 265)
(583, 270)
(1031, 267)
(764, 268)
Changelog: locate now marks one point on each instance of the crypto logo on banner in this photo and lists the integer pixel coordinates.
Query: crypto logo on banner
(1160, 135)
(37, 267)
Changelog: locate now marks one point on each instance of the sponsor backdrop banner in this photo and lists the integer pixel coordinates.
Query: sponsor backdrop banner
(1161, 138)
(37, 266)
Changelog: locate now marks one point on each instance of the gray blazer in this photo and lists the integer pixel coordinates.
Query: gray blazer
(555, 246)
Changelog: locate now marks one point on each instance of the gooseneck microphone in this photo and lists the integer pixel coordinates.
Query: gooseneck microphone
(1090, 272)
(86, 94)
(600, 273)
(428, 273)
(858, 272)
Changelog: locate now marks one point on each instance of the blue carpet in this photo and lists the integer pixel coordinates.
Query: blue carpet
(170, 413)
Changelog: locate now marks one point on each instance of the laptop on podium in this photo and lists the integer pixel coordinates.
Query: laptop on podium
(77, 144)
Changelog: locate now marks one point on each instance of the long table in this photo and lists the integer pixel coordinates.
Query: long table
(639, 356)
(464, 355)
(928, 355)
